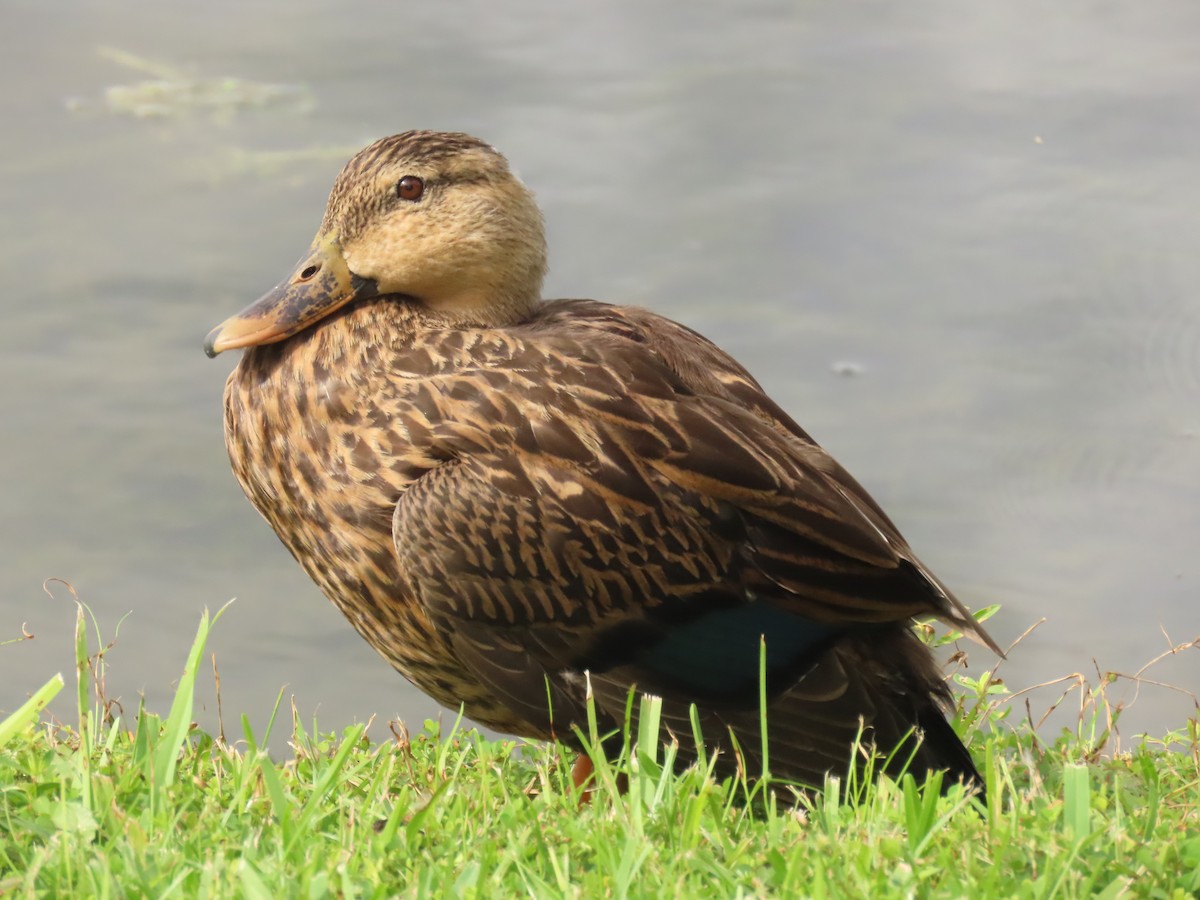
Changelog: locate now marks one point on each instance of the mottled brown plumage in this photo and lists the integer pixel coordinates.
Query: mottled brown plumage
(503, 494)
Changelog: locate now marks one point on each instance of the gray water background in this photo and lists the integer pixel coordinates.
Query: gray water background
(958, 242)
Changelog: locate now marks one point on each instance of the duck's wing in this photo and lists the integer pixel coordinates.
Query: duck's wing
(711, 374)
(598, 513)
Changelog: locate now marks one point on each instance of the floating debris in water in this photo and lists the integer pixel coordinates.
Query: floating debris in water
(846, 368)
(239, 161)
(223, 97)
(170, 93)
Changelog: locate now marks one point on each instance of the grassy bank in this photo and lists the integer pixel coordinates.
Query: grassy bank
(152, 807)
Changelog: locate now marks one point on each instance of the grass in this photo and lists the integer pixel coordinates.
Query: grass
(156, 808)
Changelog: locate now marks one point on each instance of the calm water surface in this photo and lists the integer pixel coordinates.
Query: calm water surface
(956, 241)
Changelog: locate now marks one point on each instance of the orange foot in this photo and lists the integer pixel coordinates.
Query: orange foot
(581, 774)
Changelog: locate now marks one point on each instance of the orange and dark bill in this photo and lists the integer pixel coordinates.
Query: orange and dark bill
(320, 284)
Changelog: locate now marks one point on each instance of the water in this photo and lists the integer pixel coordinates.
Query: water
(956, 241)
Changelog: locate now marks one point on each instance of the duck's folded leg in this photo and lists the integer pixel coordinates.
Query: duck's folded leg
(584, 771)
(581, 772)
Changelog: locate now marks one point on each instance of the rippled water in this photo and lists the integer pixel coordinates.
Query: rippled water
(956, 241)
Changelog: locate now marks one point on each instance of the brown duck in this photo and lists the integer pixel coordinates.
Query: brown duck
(509, 497)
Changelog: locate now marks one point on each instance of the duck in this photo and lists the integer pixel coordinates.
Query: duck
(530, 506)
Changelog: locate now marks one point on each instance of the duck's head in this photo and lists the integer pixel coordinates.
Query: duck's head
(435, 217)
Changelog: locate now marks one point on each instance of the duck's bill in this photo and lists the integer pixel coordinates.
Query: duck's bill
(321, 284)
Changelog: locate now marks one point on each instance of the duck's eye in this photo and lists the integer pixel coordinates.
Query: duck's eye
(410, 187)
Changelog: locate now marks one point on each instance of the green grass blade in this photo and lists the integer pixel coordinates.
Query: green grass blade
(649, 725)
(28, 711)
(320, 792)
(762, 707)
(179, 720)
(1077, 800)
(83, 678)
(698, 737)
(253, 884)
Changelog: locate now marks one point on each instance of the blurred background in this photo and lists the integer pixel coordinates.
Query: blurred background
(956, 241)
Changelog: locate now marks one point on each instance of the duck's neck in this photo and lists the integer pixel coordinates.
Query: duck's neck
(481, 308)
(368, 328)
